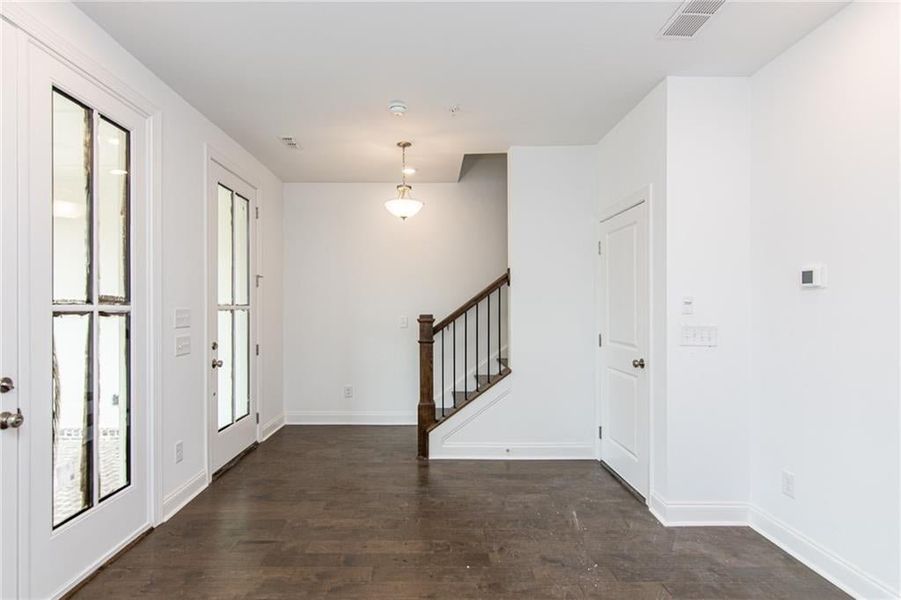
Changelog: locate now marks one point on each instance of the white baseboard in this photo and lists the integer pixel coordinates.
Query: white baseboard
(543, 451)
(177, 500)
(316, 417)
(100, 561)
(826, 563)
(698, 514)
(271, 427)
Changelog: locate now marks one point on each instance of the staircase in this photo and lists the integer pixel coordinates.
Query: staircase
(470, 357)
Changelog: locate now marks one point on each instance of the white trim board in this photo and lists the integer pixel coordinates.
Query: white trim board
(182, 495)
(271, 427)
(349, 417)
(698, 514)
(822, 561)
(517, 451)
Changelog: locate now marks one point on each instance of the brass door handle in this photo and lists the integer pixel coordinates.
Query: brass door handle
(217, 363)
(638, 363)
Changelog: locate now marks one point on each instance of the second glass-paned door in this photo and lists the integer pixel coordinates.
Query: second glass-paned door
(233, 323)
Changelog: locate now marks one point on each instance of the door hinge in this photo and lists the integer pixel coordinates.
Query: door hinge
(600, 340)
(599, 248)
(258, 278)
(256, 211)
(258, 349)
(600, 432)
(258, 418)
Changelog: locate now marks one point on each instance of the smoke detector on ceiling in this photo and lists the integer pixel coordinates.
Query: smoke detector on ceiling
(689, 18)
(290, 141)
(397, 108)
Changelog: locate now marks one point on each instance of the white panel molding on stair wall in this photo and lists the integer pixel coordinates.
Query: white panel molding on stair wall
(466, 435)
(352, 270)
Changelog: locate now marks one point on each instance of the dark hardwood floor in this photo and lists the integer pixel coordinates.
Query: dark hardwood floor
(347, 512)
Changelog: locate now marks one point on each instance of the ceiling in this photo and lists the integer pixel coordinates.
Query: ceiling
(521, 73)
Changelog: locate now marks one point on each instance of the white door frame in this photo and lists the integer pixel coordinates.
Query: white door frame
(214, 160)
(30, 34)
(642, 196)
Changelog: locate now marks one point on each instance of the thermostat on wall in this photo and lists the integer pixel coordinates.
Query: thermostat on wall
(813, 276)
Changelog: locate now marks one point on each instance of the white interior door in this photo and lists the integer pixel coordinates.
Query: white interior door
(231, 319)
(624, 366)
(83, 337)
(9, 343)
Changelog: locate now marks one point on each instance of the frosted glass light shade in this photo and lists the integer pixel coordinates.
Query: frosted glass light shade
(404, 205)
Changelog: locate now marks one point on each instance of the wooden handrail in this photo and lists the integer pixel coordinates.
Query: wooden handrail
(502, 280)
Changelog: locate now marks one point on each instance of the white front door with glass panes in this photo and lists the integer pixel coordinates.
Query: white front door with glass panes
(84, 464)
(233, 423)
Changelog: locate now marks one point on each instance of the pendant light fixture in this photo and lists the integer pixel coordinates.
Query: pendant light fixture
(403, 205)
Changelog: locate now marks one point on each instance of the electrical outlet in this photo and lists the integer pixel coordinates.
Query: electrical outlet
(179, 452)
(348, 391)
(788, 484)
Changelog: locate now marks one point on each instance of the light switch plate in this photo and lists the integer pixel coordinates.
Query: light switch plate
(699, 335)
(688, 305)
(404, 322)
(182, 345)
(182, 318)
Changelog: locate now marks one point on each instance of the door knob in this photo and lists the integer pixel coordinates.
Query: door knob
(6, 385)
(638, 363)
(9, 420)
(217, 363)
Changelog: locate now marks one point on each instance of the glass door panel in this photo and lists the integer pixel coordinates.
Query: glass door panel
(91, 354)
(233, 309)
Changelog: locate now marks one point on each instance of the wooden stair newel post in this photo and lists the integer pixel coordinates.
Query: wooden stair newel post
(426, 383)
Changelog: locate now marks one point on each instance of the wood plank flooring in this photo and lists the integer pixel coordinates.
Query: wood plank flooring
(347, 512)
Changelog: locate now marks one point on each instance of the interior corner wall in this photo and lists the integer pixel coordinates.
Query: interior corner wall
(688, 140)
(825, 391)
(352, 271)
(633, 155)
(185, 132)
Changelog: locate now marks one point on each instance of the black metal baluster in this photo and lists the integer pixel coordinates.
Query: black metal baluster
(465, 354)
(488, 345)
(442, 371)
(477, 346)
(500, 364)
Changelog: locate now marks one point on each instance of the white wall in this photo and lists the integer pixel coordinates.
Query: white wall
(707, 258)
(540, 411)
(184, 133)
(825, 393)
(352, 270)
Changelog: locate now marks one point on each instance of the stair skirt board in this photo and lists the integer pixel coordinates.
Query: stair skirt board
(317, 417)
(469, 377)
(443, 447)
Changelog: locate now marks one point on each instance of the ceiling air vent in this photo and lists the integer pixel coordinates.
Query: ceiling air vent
(689, 19)
(289, 141)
